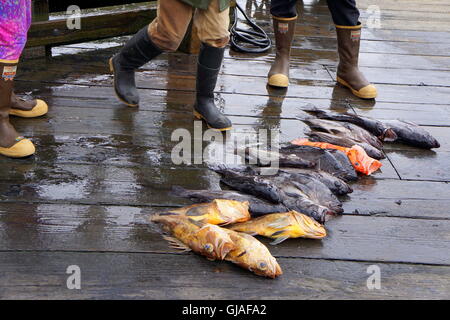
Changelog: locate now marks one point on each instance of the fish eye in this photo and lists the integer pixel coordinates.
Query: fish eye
(262, 265)
(357, 164)
(208, 247)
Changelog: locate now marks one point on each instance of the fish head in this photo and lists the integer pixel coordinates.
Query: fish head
(388, 135)
(361, 161)
(268, 268)
(433, 143)
(342, 186)
(257, 257)
(307, 227)
(213, 242)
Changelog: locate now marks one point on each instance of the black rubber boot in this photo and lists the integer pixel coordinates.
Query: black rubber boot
(208, 67)
(137, 51)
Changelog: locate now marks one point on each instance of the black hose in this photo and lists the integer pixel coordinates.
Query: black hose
(256, 37)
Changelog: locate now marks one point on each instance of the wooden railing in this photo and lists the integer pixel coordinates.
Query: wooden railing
(95, 24)
(99, 23)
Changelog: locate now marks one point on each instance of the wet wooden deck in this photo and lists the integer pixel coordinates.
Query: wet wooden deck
(101, 168)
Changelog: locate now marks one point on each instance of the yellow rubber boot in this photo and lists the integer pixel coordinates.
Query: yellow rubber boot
(23, 148)
(11, 144)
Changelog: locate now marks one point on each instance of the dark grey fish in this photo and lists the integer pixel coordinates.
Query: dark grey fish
(334, 163)
(337, 186)
(374, 126)
(348, 131)
(346, 142)
(257, 207)
(411, 134)
(315, 190)
(265, 158)
(250, 184)
(291, 194)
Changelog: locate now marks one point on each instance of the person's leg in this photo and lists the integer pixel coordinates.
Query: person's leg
(344, 12)
(212, 26)
(14, 24)
(11, 144)
(284, 15)
(165, 33)
(345, 15)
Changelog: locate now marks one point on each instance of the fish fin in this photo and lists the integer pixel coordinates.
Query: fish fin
(280, 223)
(277, 233)
(176, 244)
(279, 240)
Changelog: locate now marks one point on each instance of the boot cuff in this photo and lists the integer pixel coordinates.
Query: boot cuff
(358, 26)
(284, 19)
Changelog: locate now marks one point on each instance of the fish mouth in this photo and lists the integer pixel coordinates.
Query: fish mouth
(309, 227)
(436, 144)
(389, 135)
(273, 271)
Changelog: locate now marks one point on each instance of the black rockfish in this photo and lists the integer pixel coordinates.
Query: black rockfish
(333, 162)
(374, 126)
(257, 206)
(265, 158)
(294, 195)
(345, 130)
(411, 134)
(337, 186)
(346, 142)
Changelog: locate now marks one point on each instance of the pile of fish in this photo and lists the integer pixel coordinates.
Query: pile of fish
(200, 228)
(385, 130)
(295, 201)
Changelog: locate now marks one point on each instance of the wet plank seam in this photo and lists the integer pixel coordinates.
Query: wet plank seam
(189, 254)
(392, 164)
(330, 83)
(169, 205)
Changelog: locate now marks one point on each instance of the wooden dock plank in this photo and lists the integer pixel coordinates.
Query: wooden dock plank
(94, 228)
(139, 276)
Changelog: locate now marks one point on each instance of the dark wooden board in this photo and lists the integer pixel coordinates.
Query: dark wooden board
(31, 275)
(93, 227)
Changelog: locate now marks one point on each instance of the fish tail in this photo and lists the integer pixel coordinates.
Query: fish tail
(178, 191)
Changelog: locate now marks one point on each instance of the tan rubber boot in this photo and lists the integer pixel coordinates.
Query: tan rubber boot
(348, 74)
(284, 29)
(11, 144)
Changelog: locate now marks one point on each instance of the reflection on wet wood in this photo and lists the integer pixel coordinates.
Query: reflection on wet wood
(102, 168)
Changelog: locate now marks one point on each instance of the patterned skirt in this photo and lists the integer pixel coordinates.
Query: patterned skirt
(15, 20)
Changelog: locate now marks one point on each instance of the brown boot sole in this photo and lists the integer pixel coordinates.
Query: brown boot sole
(200, 117)
(111, 68)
